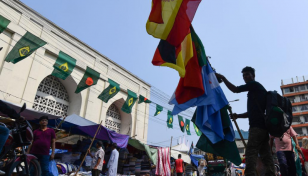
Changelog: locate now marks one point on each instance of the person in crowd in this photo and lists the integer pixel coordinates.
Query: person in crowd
(112, 165)
(179, 166)
(107, 153)
(98, 159)
(297, 153)
(285, 152)
(258, 134)
(43, 139)
(305, 152)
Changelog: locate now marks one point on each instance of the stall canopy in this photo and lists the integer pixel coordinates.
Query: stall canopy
(151, 152)
(181, 148)
(28, 114)
(185, 157)
(75, 124)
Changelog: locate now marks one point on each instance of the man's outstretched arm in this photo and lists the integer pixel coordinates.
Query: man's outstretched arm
(230, 86)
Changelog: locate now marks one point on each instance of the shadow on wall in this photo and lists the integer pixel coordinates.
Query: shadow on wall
(126, 119)
(74, 99)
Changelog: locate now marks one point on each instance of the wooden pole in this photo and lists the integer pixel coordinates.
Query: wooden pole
(237, 127)
(61, 123)
(89, 147)
(171, 145)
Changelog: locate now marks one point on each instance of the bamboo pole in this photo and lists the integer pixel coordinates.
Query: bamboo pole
(237, 127)
(89, 147)
(61, 123)
(171, 145)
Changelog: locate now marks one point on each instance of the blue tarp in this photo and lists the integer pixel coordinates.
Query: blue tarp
(195, 159)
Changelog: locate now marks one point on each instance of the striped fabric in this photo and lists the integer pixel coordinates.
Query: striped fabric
(163, 167)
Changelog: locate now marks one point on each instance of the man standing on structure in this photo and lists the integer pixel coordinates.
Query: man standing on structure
(258, 140)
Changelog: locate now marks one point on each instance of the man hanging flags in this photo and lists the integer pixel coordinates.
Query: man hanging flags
(130, 101)
(3, 23)
(187, 126)
(143, 99)
(170, 120)
(24, 48)
(170, 20)
(159, 109)
(89, 78)
(110, 91)
(63, 66)
(198, 132)
(181, 123)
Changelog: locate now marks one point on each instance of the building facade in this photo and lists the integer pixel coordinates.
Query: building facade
(297, 92)
(30, 81)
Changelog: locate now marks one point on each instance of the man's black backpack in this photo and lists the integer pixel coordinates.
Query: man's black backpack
(278, 115)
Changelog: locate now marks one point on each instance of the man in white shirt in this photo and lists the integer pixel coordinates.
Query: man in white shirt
(112, 166)
(98, 159)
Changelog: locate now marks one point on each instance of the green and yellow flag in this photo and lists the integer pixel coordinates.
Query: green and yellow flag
(181, 123)
(110, 91)
(3, 23)
(159, 109)
(199, 133)
(187, 126)
(170, 120)
(130, 101)
(24, 48)
(143, 99)
(89, 79)
(63, 66)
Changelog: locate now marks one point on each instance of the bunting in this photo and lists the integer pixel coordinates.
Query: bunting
(142, 99)
(3, 23)
(159, 109)
(130, 101)
(181, 123)
(187, 126)
(170, 120)
(110, 91)
(89, 79)
(63, 66)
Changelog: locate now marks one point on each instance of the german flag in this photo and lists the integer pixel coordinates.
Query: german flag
(170, 19)
(174, 57)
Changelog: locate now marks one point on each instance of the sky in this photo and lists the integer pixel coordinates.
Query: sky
(271, 36)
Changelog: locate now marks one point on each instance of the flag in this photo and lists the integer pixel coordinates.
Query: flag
(181, 123)
(143, 99)
(174, 57)
(191, 149)
(63, 66)
(24, 48)
(159, 109)
(198, 132)
(215, 126)
(199, 47)
(110, 91)
(3, 23)
(130, 101)
(226, 149)
(170, 20)
(170, 120)
(213, 94)
(187, 126)
(89, 78)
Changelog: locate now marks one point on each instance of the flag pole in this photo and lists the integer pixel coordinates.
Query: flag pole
(89, 148)
(239, 132)
(237, 127)
(171, 145)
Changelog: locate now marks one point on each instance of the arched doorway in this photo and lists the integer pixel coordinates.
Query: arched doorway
(113, 119)
(51, 97)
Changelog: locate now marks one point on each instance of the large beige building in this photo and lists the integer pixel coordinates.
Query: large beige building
(30, 80)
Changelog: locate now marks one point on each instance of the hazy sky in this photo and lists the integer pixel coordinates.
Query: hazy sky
(271, 36)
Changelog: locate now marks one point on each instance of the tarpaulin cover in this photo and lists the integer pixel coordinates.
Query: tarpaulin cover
(151, 152)
(28, 114)
(81, 126)
(195, 159)
(185, 157)
(182, 148)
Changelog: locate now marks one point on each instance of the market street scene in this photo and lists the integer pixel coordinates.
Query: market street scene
(153, 88)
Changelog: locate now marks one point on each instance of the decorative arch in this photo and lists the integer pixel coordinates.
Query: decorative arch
(52, 97)
(113, 119)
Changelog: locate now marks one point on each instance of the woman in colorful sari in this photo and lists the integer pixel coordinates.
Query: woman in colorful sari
(297, 160)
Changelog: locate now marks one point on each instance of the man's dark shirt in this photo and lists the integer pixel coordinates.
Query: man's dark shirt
(256, 94)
